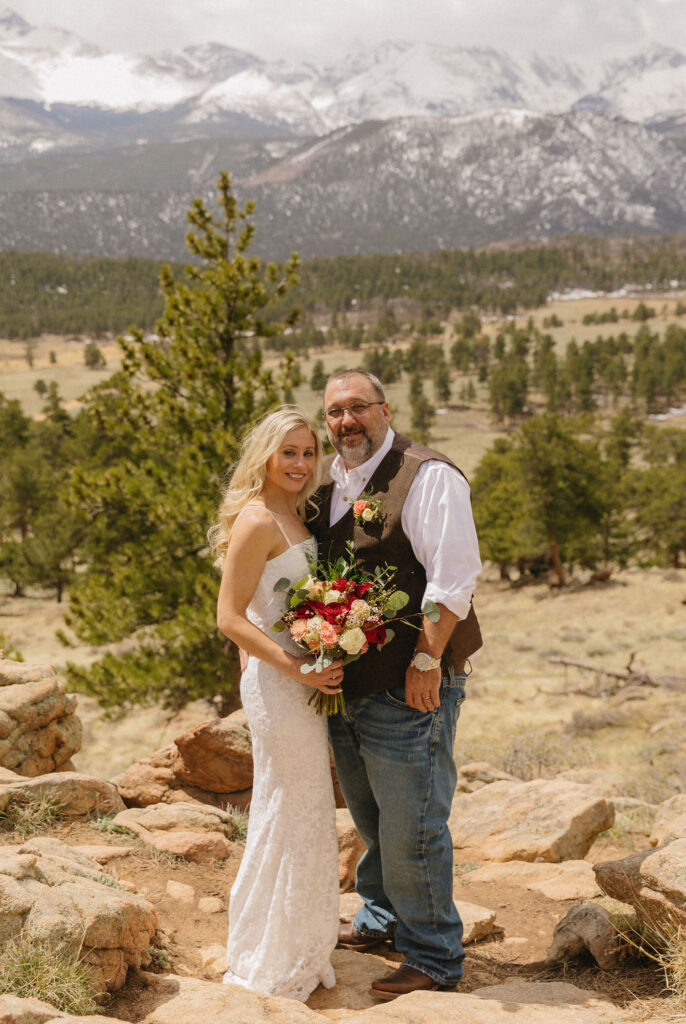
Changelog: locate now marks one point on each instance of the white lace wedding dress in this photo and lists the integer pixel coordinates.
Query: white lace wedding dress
(283, 913)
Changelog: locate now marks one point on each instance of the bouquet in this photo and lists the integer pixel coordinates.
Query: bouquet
(337, 611)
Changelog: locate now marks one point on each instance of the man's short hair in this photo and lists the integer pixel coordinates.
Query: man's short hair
(346, 374)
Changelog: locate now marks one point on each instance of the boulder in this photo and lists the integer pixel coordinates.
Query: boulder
(56, 894)
(570, 880)
(354, 974)
(528, 1002)
(477, 774)
(478, 921)
(174, 1000)
(546, 819)
(15, 1010)
(670, 821)
(195, 831)
(75, 794)
(210, 763)
(600, 778)
(350, 849)
(652, 881)
(39, 728)
(587, 926)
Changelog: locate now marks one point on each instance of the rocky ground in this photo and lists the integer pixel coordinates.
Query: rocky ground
(561, 770)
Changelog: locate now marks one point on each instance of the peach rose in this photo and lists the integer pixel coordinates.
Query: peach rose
(299, 628)
(329, 633)
(359, 506)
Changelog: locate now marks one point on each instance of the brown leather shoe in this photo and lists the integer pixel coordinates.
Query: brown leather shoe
(348, 938)
(406, 979)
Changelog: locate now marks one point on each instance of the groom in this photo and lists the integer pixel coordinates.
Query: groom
(393, 747)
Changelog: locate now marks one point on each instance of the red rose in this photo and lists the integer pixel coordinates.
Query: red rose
(330, 612)
(377, 635)
(340, 584)
(361, 589)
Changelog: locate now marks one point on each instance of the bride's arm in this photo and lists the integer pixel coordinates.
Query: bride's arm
(254, 538)
(252, 542)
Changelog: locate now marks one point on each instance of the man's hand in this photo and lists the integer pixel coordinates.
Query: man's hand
(422, 689)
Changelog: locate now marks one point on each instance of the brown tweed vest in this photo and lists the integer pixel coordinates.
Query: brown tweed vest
(385, 543)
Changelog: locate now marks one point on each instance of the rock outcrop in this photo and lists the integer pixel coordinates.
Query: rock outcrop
(588, 926)
(211, 764)
(476, 774)
(75, 795)
(570, 880)
(39, 728)
(653, 882)
(15, 1010)
(546, 819)
(350, 849)
(191, 830)
(670, 821)
(55, 894)
(175, 1000)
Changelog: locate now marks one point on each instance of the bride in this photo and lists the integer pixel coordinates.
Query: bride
(283, 914)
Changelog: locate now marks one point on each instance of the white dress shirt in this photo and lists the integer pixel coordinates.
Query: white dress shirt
(436, 519)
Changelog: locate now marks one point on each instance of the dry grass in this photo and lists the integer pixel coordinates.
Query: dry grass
(240, 823)
(528, 753)
(47, 971)
(28, 816)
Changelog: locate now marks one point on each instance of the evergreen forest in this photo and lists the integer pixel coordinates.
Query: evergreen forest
(111, 502)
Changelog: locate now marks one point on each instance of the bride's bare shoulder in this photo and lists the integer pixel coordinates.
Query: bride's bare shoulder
(253, 523)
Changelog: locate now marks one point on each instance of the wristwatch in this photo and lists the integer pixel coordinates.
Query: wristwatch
(423, 662)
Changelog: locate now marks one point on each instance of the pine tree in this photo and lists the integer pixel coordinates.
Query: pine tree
(174, 416)
(422, 411)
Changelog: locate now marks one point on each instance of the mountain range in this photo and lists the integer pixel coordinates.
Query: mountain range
(408, 145)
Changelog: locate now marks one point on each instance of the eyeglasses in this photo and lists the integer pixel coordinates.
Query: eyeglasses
(357, 410)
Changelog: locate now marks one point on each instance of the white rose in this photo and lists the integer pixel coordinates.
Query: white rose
(368, 514)
(314, 587)
(360, 609)
(331, 597)
(352, 641)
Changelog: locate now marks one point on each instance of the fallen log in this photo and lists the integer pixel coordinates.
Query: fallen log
(623, 677)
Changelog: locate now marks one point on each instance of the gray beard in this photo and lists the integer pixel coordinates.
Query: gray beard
(355, 454)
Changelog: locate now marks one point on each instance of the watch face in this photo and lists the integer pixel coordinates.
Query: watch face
(423, 661)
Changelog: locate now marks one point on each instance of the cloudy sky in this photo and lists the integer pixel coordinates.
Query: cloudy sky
(323, 30)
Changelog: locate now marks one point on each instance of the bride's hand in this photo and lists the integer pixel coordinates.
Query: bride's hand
(328, 680)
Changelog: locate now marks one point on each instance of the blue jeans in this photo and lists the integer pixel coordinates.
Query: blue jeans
(397, 773)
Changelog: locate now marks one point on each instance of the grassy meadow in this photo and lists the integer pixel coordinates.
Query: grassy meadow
(524, 712)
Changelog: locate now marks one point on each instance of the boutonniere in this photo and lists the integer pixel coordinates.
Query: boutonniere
(367, 509)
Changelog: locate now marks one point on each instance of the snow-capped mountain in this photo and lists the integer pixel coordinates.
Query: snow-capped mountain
(404, 184)
(649, 87)
(212, 84)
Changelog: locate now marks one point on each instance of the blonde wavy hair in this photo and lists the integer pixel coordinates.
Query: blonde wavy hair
(247, 480)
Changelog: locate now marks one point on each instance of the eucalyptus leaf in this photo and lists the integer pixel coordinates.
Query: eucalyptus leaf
(301, 583)
(397, 601)
(278, 627)
(431, 611)
(282, 584)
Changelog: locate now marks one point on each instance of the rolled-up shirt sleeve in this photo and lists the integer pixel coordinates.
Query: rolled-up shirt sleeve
(437, 520)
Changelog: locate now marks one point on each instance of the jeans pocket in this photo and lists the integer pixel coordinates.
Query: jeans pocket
(395, 696)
